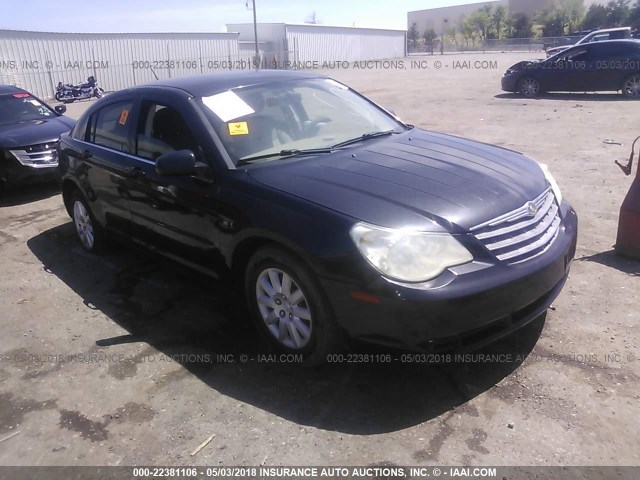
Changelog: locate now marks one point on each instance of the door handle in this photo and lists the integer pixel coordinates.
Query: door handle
(133, 172)
(169, 191)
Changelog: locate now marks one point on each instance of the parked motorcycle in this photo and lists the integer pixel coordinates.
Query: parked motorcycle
(68, 93)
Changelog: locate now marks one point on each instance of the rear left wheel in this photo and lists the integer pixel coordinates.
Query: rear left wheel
(631, 87)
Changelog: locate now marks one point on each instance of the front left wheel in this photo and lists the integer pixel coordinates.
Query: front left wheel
(90, 233)
(529, 87)
(289, 307)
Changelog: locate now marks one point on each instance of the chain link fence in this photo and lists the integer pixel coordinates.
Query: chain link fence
(447, 44)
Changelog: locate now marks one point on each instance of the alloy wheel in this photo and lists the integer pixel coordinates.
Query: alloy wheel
(84, 227)
(632, 86)
(284, 308)
(530, 87)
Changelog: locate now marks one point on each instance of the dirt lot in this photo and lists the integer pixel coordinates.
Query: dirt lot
(127, 327)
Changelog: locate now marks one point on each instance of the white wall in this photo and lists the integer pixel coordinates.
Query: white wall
(319, 43)
(72, 57)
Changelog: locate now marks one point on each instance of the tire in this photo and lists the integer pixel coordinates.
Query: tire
(98, 93)
(529, 87)
(631, 86)
(91, 235)
(296, 319)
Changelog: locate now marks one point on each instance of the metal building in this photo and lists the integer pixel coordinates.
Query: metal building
(37, 61)
(440, 19)
(308, 42)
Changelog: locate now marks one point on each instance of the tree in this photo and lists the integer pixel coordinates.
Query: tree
(467, 31)
(596, 17)
(572, 12)
(312, 18)
(413, 34)
(634, 16)
(552, 21)
(452, 34)
(560, 17)
(498, 20)
(617, 13)
(430, 37)
(519, 25)
(480, 20)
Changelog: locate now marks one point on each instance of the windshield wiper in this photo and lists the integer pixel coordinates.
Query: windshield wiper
(366, 136)
(285, 154)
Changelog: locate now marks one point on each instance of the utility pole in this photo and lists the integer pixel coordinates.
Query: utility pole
(255, 34)
(444, 24)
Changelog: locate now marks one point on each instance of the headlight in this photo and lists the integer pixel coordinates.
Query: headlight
(408, 255)
(552, 182)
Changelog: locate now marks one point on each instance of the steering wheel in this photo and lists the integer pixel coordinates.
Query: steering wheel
(282, 135)
(311, 127)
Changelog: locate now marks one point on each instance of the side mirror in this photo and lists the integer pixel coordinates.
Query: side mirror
(180, 162)
(60, 109)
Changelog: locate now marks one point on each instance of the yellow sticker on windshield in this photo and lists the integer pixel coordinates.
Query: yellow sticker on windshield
(238, 128)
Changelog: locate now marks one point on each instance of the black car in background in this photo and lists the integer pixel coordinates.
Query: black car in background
(334, 217)
(29, 132)
(612, 65)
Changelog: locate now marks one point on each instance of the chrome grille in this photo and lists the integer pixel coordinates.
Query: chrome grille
(524, 233)
(37, 156)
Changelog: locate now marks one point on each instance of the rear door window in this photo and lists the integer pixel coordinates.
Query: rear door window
(110, 126)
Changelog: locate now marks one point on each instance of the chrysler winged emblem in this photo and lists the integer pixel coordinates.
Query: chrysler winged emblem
(532, 209)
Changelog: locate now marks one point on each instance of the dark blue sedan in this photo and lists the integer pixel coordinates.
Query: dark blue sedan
(612, 65)
(334, 218)
(29, 132)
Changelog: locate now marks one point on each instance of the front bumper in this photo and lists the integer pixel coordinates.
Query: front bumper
(13, 173)
(510, 82)
(473, 309)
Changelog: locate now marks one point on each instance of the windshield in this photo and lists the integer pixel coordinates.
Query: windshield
(22, 107)
(571, 53)
(307, 114)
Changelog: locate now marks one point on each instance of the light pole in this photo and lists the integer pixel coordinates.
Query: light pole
(444, 23)
(255, 34)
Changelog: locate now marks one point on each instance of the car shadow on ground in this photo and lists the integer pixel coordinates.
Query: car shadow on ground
(181, 314)
(612, 259)
(32, 193)
(569, 96)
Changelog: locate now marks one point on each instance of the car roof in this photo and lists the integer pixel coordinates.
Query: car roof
(211, 83)
(10, 89)
(625, 41)
(607, 30)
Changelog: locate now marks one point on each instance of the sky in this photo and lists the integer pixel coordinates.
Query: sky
(203, 15)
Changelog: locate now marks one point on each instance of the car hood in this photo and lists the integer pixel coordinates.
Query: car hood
(34, 132)
(526, 64)
(560, 48)
(417, 179)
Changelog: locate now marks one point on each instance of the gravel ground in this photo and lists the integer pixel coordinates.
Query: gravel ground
(100, 354)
